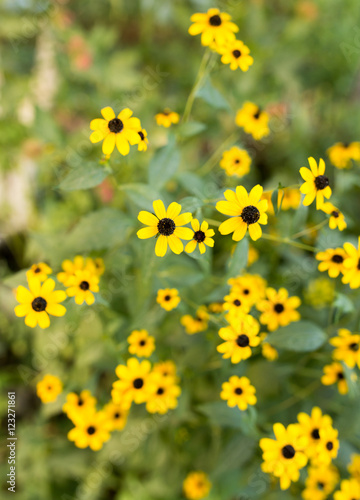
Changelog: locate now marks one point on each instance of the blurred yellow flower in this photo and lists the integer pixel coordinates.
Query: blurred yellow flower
(337, 219)
(332, 261)
(39, 271)
(334, 374)
(135, 383)
(278, 309)
(141, 343)
(214, 26)
(79, 406)
(168, 298)
(92, 430)
(352, 265)
(239, 337)
(236, 161)
(82, 285)
(341, 154)
(237, 54)
(196, 485)
(253, 120)
(166, 118)
(143, 144)
(347, 347)
(49, 388)
(239, 392)
(116, 416)
(321, 481)
(197, 324)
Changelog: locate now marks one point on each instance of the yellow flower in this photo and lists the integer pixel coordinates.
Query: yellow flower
(332, 261)
(316, 183)
(196, 485)
(202, 236)
(37, 303)
(135, 383)
(347, 348)
(79, 264)
(352, 265)
(81, 285)
(250, 287)
(342, 153)
(166, 226)
(253, 255)
(143, 144)
(49, 388)
(91, 430)
(236, 53)
(168, 298)
(216, 307)
(236, 161)
(247, 212)
(166, 118)
(238, 392)
(116, 416)
(320, 292)
(76, 407)
(39, 271)
(311, 425)
(253, 120)
(354, 466)
(141, 343)
(165, 395)
(121, 130)
(214, 26)
(278, 309)
(99, 266)
(197, 324)
(284, 456)
(328, 446)
(267, 350)
(349, 490)
(337, 219)
(166, 369)
(320, 482)
(333, 374)
(239, 338)
(236, 304)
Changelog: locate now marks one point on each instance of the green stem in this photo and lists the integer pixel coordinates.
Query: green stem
(203, 70)
(215, 157)
(288, 241)
(309, 230)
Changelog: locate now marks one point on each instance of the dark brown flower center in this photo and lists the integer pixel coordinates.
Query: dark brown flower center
(329, 445)
(39, 304)
(321, 485)
(242, 340)
(335, 213)
(315, 434)
(288, 451)
(142, 137)
(250, 214)
(354, 346)
(340, 376)
(80, 402)
(238, 391)
(167, 297)
(236, 53)
(237, 161)
(237, 303)
(321, 182)
(117, 415)
(358, 265)
(91, 430)
(215, 20)
(138, 383)
(160, 391)
(37, 270)
(257, 114)
(246, 291)
(166, 226)
(338, 259)
(84, 285)
(142, 342)
(199, 236)
(279, 308)
(115, 125)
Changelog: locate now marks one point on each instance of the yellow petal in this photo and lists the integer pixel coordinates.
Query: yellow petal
(125, 114)
(230, 225)
(31, 319)
(161, 246)
(23, 295)
(183, 219)
(190, 247)
(47, 288)
(55, 297)
(228, 208)
(240, 231)
(185, 233)
(147, 232)
(159, 209)
(255, 194)
(132, 136)
(109, 144)
(122, 144)
(22, 310)
(173, 210)
(99, 124)
(43, 319)
(175, 244)
(56, 309)
(255, 231)
(97, 136)
(148, 218)
(108, 113)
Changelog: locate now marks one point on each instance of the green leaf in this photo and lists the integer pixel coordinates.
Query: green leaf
(164, 164)
(191, 128)
(84, 177)
(302, 336)
(274, 200)
(212, 96)
(141, 195)
(221, 414)
(238, 260)
(190, 204)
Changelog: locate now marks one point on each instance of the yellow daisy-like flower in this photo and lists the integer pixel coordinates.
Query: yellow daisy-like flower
(336, 219)
(253, 120)
(81, 285)
(116, 416)
(166, 369)
(236, 54)
(247, 212)
(49, 388)
(267, 350)
(92, 430)
(250, 287)
(214, 26)
(202, 236)
(321, 481)
(352, 265)
(349, 490)
(354, 466)
(168, 298)
(347, 347)
(166, 226)
(196, 485)
(236, 161)
(342, 153)
(197, 324)
(78, 264)
(135, 383)
(39, 271)
(239, 338)
(311, 425)
(165, 396)
(38, 302)
(332, 261)
(238, 392)
(167, 117)
(328, 446)
(316, 183)
(76, 407)
(278, 309)
(143, 144)
(284, 456)
(334, 374)
(141, 343)
(237, 304)
(120, 131)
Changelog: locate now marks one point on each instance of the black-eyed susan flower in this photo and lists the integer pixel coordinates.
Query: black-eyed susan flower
(168, 298)
(332, 261)
(253, 120)
(135, 383)
(336, 219)
(328, 446)
(237, 54)
(78, 406)
(196, 324)
(214, 26)
(70, 267)
(143, 144)
(166, 369)
(267, 350)
(347, 347)
(316, 183)
(251, 287)
(236, 161)
(38, 302)
(240, 337)
(92, 430)
(196, 485)
(239, 392)
(49, 388)
(165, 396)
(341, 154)
(349, 490)
(141, 344)
(236, 303)
(320, 483)
(278, 309)
(247, 212)
(311, 425)
(166, 226)
(284, 456)
(40, 271)
(202, 236)
(334, 374)
(116, 416)
(352, 265)
(120, 131)
(354, 466)
(167, 118)
(82, 286)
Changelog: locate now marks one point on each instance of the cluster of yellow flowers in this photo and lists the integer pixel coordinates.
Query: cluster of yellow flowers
(341, 154)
